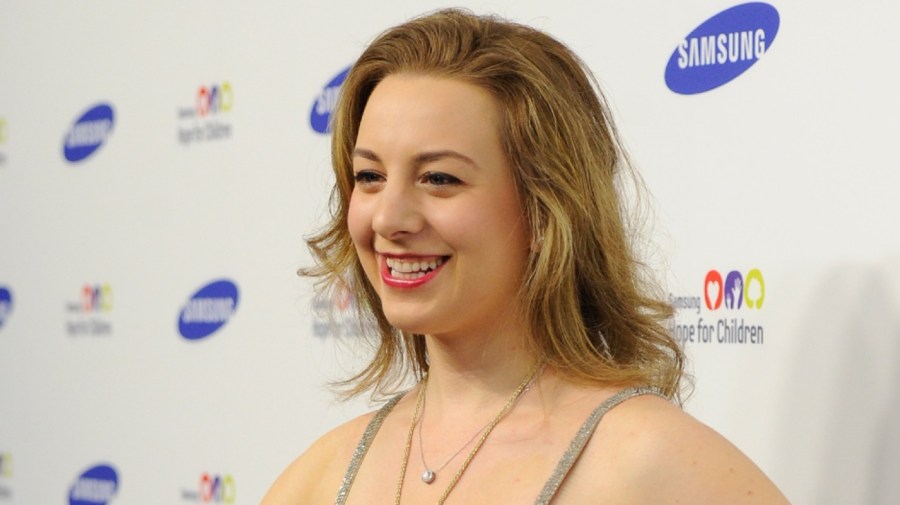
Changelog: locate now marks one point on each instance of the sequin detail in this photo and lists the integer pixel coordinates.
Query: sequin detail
(581, 439)
(559, 473)
(363, 447)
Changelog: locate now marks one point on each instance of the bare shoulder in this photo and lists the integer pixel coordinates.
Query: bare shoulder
(661, 454)
(314, 477)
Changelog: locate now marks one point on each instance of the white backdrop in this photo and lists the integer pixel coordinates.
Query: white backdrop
(206, 167)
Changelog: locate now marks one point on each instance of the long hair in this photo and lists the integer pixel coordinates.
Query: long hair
(592, 313)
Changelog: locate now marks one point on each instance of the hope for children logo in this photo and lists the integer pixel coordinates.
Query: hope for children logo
(2, 140)
(206, 119)
(335, 314)
(724, 312)
(6, 472)
(90, 314)
(212, 488)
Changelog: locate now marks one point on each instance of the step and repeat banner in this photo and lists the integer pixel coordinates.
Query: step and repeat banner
(160, 165)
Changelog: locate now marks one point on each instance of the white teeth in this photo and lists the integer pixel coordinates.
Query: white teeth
(402, 269)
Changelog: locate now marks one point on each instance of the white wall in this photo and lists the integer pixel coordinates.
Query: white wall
(790, 168)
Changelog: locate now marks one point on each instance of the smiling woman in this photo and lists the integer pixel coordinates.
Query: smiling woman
(433, 187)
(477, 221)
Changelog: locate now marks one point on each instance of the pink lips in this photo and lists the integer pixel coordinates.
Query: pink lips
(395, 282)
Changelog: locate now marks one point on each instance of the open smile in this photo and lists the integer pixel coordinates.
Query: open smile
(410, 271)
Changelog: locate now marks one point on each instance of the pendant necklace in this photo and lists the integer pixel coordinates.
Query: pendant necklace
(429, 475)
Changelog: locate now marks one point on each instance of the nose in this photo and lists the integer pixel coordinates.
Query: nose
(397, 212)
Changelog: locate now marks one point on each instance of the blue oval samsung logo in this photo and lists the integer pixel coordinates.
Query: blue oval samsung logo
(88, 133)
(722, 48)
(6, 304)
(320, 115)
(208, 310)
(96, 486)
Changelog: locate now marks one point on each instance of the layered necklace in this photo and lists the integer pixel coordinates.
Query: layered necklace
(429, 475)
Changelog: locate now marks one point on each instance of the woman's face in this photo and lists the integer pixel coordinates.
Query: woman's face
(434, 213)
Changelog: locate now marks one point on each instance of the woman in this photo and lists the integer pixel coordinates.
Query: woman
(479, 225)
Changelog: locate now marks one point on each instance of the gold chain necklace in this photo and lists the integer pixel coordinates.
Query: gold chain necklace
(420, 399)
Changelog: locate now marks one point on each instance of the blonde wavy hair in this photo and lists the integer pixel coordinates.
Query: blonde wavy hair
(593, 314)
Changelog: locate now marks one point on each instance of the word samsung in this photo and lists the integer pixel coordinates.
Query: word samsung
(88, 133)
(323, 105)
(208, 309)
(6, 304)
(722, 48)
(96, 486)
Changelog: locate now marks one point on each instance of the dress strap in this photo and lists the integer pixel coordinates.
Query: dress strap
(581, 438)
(363, 447)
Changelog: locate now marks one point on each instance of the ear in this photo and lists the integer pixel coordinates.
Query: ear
(537, 242)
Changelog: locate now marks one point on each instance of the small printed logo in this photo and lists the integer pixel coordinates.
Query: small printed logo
(88, 133)
(335, 314)
(734, 291)
(214, 99)
(324, 104)
(3, 134)
(6, 472)
(722, 48)
(89, 315)
(6, 465)
(205, 120)
(96, 486)
(6, 304)
(208, 309)
(736, 297)
(212, 488)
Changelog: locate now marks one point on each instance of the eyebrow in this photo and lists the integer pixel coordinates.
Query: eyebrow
(421, 158)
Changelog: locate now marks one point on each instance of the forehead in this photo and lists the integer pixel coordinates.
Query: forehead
(428, 112)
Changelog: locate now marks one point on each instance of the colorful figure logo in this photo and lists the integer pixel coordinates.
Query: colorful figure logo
(6, 464)
(214, 99)
(736, 290)
(97, 298)
(217, 489)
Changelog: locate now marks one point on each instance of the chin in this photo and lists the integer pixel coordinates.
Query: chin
(407, 324)
(411, 320)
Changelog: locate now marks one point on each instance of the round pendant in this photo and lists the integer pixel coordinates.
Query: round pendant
(428, 476)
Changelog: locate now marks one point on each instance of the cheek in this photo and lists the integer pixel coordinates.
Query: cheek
(359, 224)
(492, 226)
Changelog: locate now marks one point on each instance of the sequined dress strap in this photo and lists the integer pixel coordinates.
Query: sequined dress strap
(363, 447)
(581, 439)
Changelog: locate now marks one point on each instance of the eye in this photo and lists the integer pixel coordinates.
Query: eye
(439, 179)
(366, 177)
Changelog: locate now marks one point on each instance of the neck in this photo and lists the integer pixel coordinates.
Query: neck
(470, 372)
